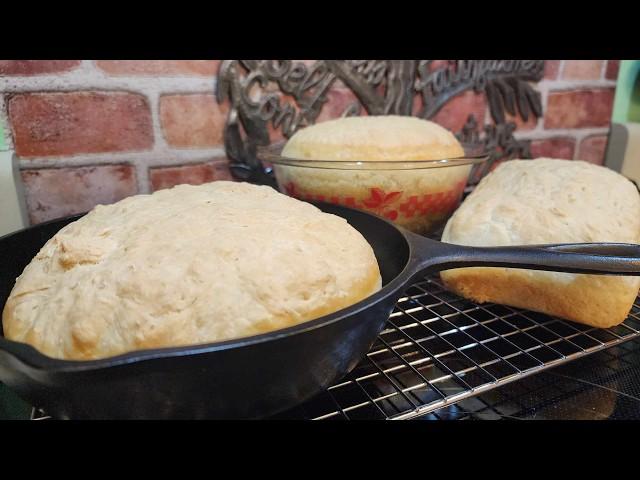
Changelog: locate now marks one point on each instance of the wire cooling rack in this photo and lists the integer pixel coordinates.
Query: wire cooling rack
(439, 349)
(605, 385)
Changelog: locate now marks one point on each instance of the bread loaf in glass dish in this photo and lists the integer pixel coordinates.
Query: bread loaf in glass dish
(406, 169)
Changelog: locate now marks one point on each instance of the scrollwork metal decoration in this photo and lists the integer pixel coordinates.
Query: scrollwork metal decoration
(285, 95)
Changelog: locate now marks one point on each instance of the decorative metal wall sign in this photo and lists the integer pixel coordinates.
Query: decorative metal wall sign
(286, 95)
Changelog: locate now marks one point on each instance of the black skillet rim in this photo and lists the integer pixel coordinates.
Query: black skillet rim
(30, 356)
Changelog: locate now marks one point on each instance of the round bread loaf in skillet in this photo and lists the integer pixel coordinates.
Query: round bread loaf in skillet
(188, 265)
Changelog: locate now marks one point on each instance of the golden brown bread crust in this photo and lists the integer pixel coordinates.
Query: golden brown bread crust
(581, 301)
(185, 266)
(548, 201)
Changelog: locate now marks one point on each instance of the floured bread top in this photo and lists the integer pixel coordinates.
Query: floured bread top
(188, 265)
(547, 201)
(374, 138)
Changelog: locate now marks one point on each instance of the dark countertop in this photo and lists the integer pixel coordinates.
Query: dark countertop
(604, 385)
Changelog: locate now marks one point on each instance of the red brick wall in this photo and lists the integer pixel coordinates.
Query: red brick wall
(90, 132)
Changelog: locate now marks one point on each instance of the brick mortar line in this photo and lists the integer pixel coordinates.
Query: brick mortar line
(4, 118)
(88, 80)
(159, 145)
(603, 69)
(92, 80)
(544, 94)
(487, 114)
(142, 176)
(561, 69)
(569, 85)
(147, 159)
(88, 66)
(577, 133)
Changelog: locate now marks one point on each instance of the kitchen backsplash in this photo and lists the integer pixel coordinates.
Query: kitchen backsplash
(96, 131)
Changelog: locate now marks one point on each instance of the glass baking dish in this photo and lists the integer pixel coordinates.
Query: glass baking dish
(419, 195)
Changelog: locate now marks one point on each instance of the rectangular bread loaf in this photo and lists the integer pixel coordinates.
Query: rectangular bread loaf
(548, 201)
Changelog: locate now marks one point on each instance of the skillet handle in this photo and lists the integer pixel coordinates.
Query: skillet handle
(594, 258)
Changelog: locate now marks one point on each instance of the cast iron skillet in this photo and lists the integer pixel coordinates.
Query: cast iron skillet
(264, 374)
